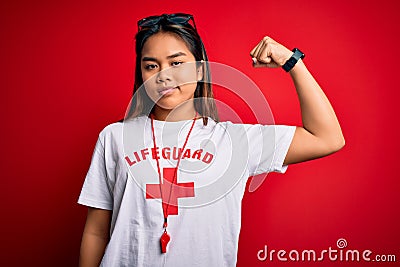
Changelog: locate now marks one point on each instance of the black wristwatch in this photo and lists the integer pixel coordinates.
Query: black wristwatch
(289, 64)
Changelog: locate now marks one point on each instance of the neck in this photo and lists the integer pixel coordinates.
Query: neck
(183, 112)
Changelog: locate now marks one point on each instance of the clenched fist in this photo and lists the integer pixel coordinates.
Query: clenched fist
(269, 53)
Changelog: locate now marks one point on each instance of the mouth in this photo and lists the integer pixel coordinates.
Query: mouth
(167, 90)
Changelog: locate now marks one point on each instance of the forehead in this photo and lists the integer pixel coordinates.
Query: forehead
(163, 44)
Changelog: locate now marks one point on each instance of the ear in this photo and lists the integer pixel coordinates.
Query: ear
(200, 73)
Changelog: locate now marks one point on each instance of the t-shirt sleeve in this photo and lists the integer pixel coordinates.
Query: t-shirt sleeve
(268, 145)
(96, 191)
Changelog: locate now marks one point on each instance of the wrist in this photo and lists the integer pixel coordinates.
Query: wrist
(299, 70)
(292, 61)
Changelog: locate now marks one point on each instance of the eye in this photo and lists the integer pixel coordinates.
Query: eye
(150, 66)
(176, 63)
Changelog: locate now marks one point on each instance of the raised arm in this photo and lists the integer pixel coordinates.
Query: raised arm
(320, 134)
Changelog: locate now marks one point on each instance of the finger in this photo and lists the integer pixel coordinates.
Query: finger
(254, 52)
(256, 63)
(260, 65)
(268, 39)
(266, 65)
(257, 55)
(260, 55)
(265, 60)
(260, 51)
(265, 54)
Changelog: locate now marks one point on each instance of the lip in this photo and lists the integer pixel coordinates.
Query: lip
(166, 90)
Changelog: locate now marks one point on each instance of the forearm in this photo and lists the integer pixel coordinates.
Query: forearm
(317, 114)
(92, 250)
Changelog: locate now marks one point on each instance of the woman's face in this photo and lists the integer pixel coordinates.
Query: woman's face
(169, 70)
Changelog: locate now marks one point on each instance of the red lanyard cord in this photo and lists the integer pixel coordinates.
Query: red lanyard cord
(165, 210)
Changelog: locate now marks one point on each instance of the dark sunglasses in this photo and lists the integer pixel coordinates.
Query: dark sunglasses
(177, 18)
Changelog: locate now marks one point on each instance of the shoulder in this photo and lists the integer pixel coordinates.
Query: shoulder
(229, 125)
(113, 132)
(255, 129)
(249, 125)
(116, 128)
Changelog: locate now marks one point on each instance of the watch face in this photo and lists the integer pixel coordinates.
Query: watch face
(293, 61)
(297, 54)
(296, 50)
(289, 64)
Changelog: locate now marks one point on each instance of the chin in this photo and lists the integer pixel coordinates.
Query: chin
(167, 106)
(170, 104)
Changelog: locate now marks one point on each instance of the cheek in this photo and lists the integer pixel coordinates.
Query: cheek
(186, 75)
(149, 85)
(188, 89)
(151, 91)
(145, 75)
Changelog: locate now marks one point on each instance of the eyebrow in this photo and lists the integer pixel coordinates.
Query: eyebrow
(179, 54)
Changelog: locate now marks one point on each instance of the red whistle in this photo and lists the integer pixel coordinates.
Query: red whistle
(164, 242)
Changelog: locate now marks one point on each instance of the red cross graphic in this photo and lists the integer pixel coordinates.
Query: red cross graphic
(170, 187)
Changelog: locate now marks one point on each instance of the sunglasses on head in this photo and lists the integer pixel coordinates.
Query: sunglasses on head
(177, 18)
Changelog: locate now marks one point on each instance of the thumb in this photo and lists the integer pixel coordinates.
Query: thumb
(262, 63)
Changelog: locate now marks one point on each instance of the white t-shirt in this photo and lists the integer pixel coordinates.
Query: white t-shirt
(205, 207)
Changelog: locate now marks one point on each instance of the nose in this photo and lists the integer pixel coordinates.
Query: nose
(164, 75)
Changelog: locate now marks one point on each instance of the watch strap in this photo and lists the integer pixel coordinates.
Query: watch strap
(289, 64)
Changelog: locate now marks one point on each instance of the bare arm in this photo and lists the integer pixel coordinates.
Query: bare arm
(320, 134)
(95, 237)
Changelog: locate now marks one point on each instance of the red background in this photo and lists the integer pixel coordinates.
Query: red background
(67, 71)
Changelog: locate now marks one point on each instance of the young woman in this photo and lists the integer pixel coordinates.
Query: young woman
(165, 186)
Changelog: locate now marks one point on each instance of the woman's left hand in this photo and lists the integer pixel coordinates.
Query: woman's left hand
(269, 53)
